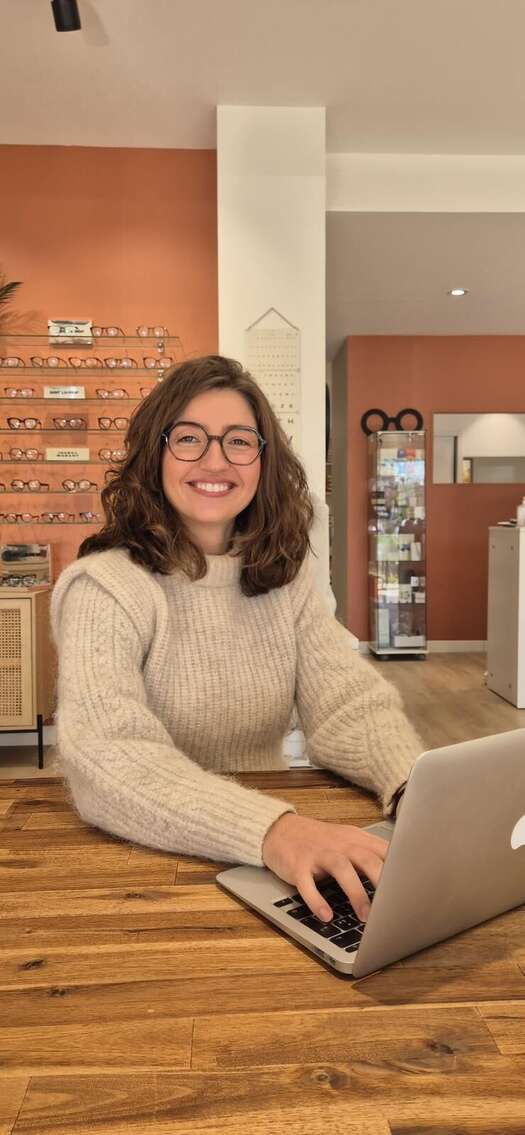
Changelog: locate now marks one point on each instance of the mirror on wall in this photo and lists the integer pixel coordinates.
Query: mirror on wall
(470, 449)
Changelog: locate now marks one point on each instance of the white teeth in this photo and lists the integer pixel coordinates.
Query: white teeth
(210, 488)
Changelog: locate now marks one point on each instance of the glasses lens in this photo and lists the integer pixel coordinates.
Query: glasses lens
(241, 446)
(187, 442)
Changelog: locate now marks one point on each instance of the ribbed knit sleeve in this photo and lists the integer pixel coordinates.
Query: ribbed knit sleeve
(353, 720)
(124, 772)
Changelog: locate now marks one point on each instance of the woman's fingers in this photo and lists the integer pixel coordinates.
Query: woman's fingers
(313, 899)
(346, 875)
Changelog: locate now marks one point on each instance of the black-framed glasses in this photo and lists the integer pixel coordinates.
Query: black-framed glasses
(241, 445)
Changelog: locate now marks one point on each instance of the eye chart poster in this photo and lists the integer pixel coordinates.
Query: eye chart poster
(273, 356)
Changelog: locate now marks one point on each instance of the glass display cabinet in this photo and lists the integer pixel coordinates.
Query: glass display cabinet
(397, 543)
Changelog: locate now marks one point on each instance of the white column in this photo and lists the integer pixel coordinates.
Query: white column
(271, 231)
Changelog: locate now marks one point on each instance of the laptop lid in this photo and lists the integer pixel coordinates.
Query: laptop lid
(457, 855)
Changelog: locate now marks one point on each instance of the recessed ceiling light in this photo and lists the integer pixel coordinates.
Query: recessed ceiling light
(458, 292)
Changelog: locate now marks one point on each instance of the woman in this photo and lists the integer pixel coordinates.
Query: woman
(187, 628)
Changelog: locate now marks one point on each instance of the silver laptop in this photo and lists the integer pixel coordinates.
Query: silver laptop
(456, 858)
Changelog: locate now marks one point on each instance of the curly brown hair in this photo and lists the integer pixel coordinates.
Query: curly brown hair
(271, 534)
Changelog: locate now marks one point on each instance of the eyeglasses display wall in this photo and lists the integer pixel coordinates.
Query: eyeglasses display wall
(57, 438)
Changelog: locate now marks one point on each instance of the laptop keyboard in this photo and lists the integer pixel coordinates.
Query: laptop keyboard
(345, 928)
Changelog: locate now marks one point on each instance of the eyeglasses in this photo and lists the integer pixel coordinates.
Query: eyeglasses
(241, 445)
(162, 361)
(112, 394)
(121, 364)
(70, 423)
(112, 454)
(106, 331)
(43, 518)
(24, 424)
(10, 361)
(18, 581)
(31, 486)
(25, 455)
(157, 332)
(50, 517)
(51, 361)
(79, 486)
(89, 363)
(113, 423)
(24, 392)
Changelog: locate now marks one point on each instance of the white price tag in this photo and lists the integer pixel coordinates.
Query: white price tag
(78, 454)
(64, 392)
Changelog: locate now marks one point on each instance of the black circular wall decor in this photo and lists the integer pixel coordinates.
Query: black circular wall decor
(387, 421)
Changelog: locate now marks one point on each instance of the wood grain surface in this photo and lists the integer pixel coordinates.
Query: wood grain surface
(137, 998)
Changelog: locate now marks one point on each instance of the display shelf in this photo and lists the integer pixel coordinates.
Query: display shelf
(58, 430)
(102, 340)
(37, 401)
(397, 543)
(20, 462)
(25, 524)
(81, 372)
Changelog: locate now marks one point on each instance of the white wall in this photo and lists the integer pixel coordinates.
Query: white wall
(271, 235)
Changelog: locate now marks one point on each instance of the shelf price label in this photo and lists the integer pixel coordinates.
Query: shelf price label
(80, 453)
(64, 392)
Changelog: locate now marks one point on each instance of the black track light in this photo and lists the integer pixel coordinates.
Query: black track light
(66, 15)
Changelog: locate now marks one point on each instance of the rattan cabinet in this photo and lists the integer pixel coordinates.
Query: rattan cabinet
(27, 663)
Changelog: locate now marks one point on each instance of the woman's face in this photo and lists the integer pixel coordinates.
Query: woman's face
(210, 518)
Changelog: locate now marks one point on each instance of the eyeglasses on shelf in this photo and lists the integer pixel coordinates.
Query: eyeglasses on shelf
(29, 486)
(125, 363)
(83, 486)
(23, 392)
(113, 423)
(89, 363)
(24, 423)
(51, 361)
(12, 361)
(49, 517)
(109, 331)
(16, 454)
(70, 423)
(162, 362)
(152, 332)
(39, 518)
(19, 581)
(112, 393)
(112, 454)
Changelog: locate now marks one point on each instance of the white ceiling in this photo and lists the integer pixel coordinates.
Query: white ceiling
(395, 75)
(389, 274)
(407, 76)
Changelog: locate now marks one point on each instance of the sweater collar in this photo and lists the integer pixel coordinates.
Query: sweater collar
(223, 571)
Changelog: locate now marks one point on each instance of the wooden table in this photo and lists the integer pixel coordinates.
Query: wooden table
(137, 997)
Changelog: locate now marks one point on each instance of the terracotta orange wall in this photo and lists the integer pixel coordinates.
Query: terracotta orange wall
(435, 375)
(122, 236)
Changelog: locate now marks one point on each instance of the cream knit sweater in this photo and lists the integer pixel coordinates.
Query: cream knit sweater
(167, 686)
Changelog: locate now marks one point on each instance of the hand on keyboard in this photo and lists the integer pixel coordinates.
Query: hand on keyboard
(300, 850)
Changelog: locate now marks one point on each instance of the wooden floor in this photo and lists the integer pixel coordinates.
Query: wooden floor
(447, 700)
(445, 697)
(137, 998)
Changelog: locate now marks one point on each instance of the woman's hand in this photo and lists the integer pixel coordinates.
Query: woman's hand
(300, 850)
